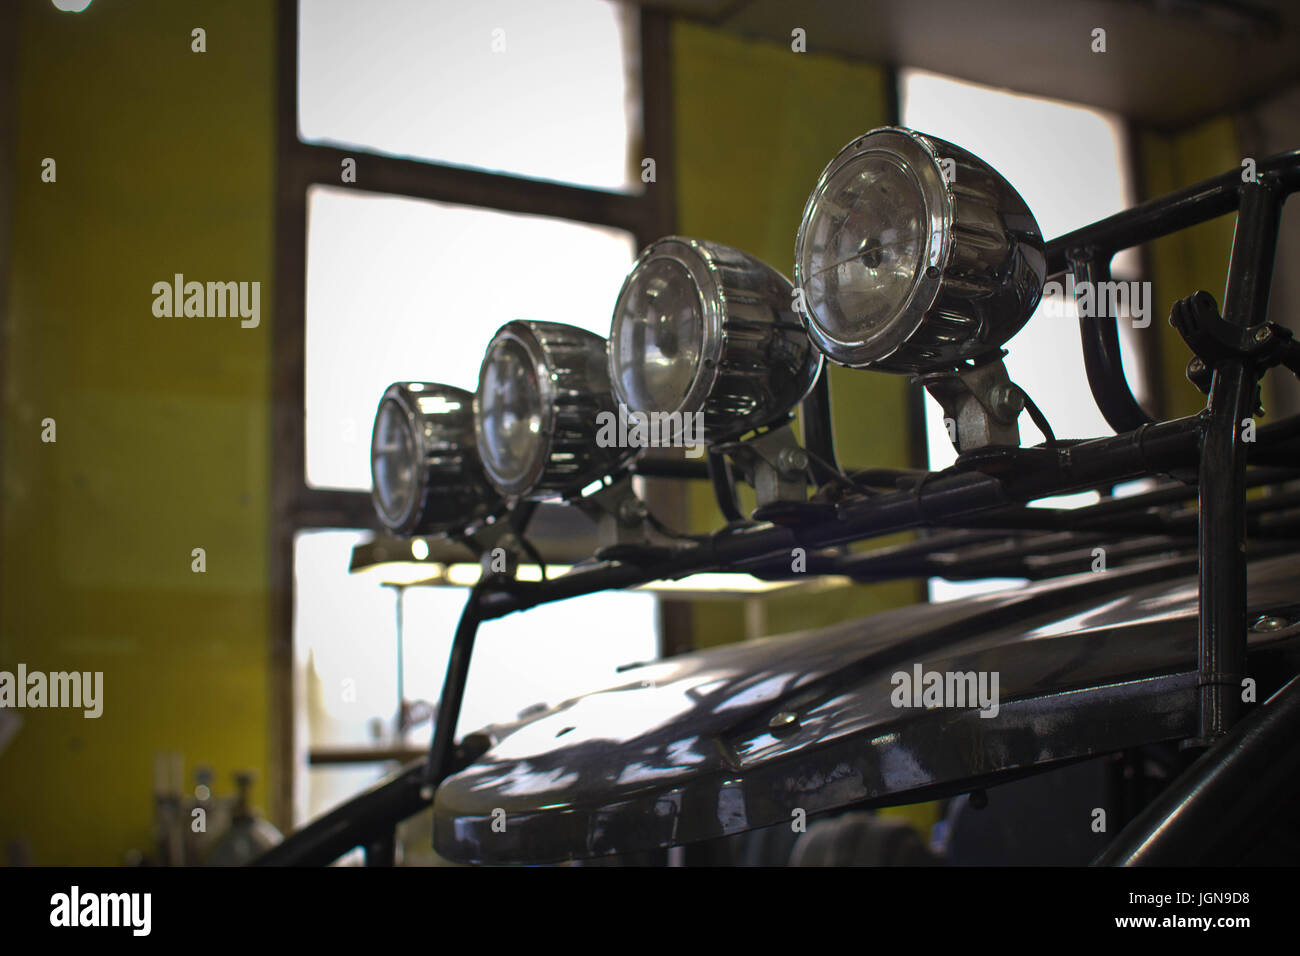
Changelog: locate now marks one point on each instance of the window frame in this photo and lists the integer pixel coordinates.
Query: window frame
(295, 506)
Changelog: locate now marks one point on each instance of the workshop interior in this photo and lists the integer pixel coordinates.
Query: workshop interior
(663, 434)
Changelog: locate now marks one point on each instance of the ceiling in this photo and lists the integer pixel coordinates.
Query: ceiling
(1168, 63)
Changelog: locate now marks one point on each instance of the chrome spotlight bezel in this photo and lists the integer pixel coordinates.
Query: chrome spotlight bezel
(449, 488)
(744, 379)
(980, 274)
(570, 366)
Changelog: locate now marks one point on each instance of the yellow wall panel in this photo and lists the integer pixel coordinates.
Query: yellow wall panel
(164, 165)
(1195, 258)
(756, 123)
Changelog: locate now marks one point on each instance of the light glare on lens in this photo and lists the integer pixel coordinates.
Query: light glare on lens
(511, 411)
(657, 345)
(543, 391)
(424, 465)
(863, 253)
(704, 329)
(914, 255)
(393, 461)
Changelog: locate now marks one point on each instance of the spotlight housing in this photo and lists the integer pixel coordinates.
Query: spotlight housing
(700, 327)
(542, 389)
(915, 255)
(423, 462)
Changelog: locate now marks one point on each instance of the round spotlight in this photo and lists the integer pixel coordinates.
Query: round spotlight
(542, 390)
(914, 255)
(702, 328)
(423, 463)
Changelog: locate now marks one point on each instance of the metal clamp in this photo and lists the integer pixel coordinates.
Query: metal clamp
(774, 463)
(1213, 341)
(981, 403)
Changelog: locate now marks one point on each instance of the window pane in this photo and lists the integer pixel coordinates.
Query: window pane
(544, 656)
(1068, 162)
(407, 289)
(534, 89)
(346, 659)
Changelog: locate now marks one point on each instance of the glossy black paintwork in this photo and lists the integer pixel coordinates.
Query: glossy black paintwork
(685, 749)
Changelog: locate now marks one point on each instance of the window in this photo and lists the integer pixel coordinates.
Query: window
(358, 659)
(543, 90)
(1070, 164)
(404, 289)
(444, 168)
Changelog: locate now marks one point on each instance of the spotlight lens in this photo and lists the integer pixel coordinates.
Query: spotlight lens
(393, 461)
(914, 255)
(867, 235)
(658, 336)
(510, 412)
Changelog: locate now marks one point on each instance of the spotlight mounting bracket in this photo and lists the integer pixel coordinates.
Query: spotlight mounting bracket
(981, 405)
(774, 463)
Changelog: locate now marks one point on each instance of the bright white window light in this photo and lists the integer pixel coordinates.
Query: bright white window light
(345, 653)
(344, 676)
(407, 290)
(1069, 163)
(543, 656)
(542, 90)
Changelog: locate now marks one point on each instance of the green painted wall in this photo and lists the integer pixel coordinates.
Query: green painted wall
(756, 123)
(164, 165)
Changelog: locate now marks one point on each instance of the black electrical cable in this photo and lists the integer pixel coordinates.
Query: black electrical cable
(672, 532)
(533, 553)
(1038, 418)
(836, 475)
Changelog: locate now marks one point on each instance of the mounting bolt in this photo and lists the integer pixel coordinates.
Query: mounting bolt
(1006, 401)
(792, 462)
(1263, 334)
(1199, 374)
(632, 511)
(783, 723)
(1267, 623)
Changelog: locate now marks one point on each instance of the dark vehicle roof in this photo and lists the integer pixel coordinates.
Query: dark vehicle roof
(739, 737)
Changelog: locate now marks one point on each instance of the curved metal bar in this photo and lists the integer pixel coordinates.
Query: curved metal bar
(369, 819)
(1087, 253)
(724, 486)
(1206, 814)
(1101, 355)
(818, 432)
(442, 747)
(1168, 214)
(366, 818)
